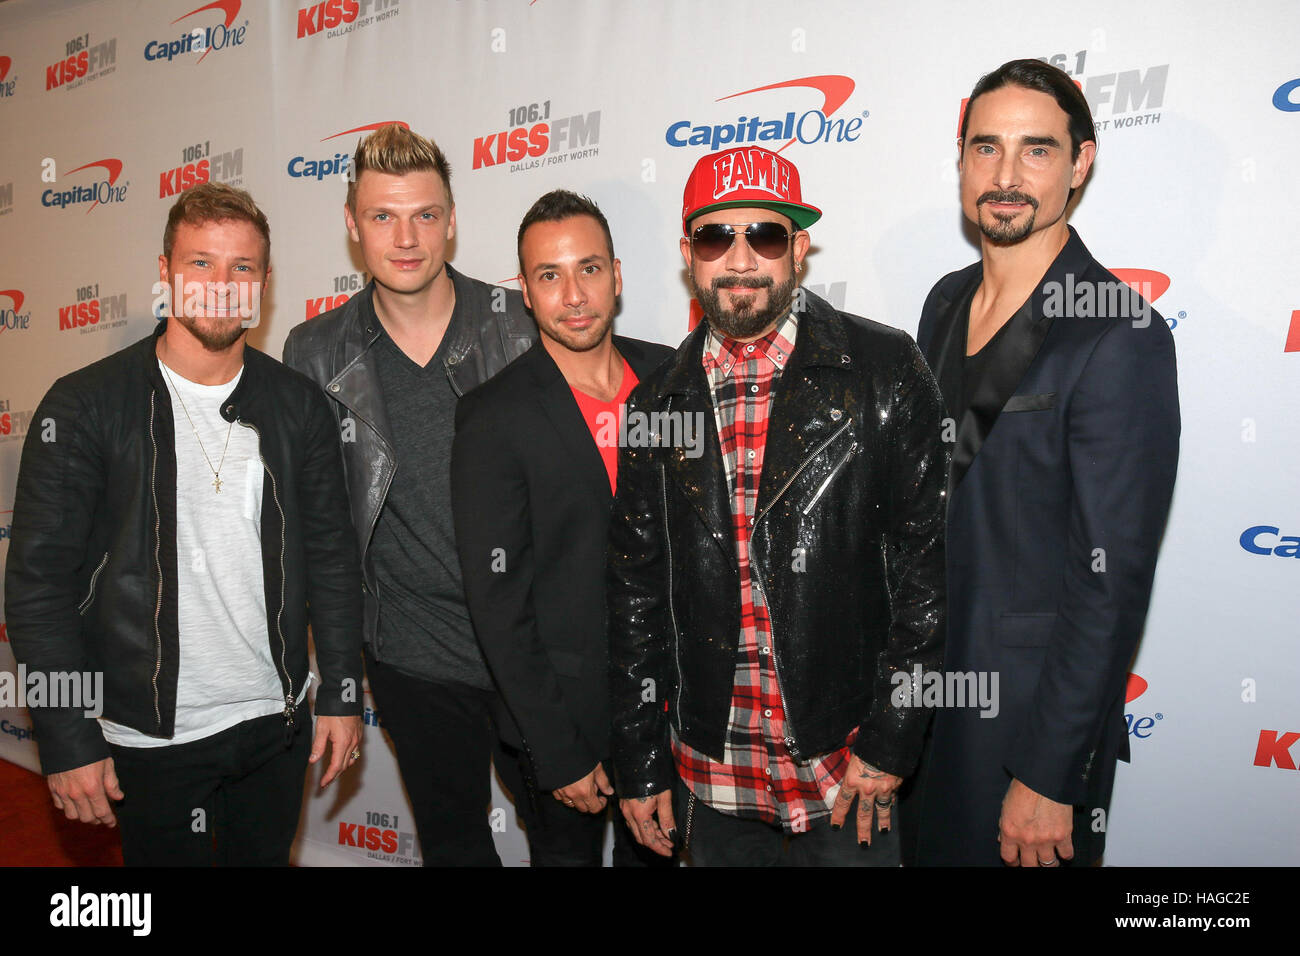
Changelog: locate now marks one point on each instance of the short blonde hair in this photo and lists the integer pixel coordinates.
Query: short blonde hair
(396, 150)
(214, 202)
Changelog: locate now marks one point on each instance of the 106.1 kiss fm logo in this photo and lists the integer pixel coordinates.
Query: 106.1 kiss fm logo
(199, 164)
(81, 63)
(536, 137)
(91, 312)
(337, 18)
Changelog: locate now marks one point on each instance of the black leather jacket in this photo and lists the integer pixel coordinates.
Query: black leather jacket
(847, 545)
(334, 350)
(91, 583)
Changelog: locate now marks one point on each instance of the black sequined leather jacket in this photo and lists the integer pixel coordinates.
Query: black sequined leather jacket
(846, 546)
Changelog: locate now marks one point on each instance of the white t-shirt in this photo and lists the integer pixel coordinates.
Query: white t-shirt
(227, 669)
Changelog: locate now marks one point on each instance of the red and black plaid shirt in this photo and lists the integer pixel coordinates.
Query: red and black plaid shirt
(757, 777)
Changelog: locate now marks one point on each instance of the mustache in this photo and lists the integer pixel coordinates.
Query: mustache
(741, 282)
(1009, 195)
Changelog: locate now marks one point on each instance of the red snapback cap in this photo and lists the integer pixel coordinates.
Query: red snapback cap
(746, 176)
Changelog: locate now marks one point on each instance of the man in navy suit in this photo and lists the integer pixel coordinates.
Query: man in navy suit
(1061, 388)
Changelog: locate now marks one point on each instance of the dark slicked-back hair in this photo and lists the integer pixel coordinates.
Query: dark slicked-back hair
(1040, 76)
(555, 206)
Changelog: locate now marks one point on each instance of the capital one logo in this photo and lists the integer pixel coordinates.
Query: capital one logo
(105, 190)
(13, 317)
(6, 85)
(1138, 726)
(221, 35)
(1151, 285)
(811, 126)
(1285, 97)
(300, 167)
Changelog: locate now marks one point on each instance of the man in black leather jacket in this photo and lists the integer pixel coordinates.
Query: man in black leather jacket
(394, 361)
(152, 475)
(780, 591)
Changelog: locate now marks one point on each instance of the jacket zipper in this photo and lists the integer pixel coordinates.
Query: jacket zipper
(790, 739)
(289, 703)
(84, 606)
(829, 478)
(798, 471)
(672, 613)
(157, 561)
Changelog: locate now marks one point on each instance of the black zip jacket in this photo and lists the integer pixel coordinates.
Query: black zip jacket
(847, 546)
(91, 583)
(335, 351)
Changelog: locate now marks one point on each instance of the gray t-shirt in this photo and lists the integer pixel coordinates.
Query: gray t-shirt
(424, 624)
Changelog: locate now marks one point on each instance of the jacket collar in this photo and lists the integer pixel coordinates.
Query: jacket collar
(248, 390)
(1028, 328)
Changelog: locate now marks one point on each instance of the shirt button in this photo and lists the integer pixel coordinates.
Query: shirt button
(751, 522)
(768, 771)
(769, 788)
(750, 453)
(754, 389)
(764, 650)
(749, 348)
(767, 713)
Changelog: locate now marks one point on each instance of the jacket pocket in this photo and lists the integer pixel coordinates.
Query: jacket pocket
(89, 599)
(1030, 403)
(1026, 630)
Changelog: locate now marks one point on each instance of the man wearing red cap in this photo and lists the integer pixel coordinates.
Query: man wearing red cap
(774, 595)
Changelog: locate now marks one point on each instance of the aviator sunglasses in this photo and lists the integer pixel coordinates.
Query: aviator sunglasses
(711, 241)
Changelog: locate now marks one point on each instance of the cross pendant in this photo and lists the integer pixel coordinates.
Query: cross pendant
(216, 483)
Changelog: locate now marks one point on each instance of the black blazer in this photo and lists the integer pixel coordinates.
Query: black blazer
(1061, 481)
(531, 501)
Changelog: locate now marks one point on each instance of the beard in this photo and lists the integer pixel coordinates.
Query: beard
(1003, 229)
(215, 334)
(743, 321)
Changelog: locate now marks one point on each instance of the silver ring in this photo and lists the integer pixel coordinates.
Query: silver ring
(1052, 862)
(888, 803)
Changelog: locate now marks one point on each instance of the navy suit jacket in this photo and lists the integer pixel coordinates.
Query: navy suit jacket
(1061, 481)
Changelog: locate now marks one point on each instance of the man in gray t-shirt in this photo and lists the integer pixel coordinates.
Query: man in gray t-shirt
(395, 359)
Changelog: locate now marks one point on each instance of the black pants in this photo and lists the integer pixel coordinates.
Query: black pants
(444, 737)
(241, 788)
(564, 836)
(719, 839)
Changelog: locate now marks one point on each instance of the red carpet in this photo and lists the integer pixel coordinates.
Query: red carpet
(34, 833)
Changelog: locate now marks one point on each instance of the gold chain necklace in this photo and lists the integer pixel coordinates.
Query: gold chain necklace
(216, 472)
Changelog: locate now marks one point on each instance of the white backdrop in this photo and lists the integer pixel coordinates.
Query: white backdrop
(1199, 116)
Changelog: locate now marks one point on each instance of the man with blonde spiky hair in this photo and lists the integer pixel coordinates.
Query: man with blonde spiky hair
(394, 360)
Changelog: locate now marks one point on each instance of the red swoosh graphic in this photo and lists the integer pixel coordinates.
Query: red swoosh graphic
(113, 166)
(5, 63)
(834, 88)
(1135, 689)
(229, 7)
(368, 129)
(1157, 283)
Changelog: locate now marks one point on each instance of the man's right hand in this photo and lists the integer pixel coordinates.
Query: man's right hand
(588, 794)
(83, 793)
(640, 816)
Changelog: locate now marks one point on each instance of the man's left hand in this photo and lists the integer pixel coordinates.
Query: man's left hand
(344, 737)
(1034, 830)
(874, 790)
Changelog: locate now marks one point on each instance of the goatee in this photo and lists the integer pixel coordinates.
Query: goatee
(743, 321)
(1003, 229)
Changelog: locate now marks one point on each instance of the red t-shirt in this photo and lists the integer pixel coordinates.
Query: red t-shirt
(604, 419)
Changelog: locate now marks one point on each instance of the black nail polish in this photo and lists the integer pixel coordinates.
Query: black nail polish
(884, 829)
(835, 826)
(864, 845)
